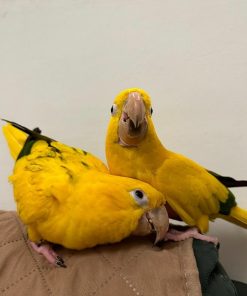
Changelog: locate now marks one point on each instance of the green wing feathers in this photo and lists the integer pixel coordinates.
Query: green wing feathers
(231, 212)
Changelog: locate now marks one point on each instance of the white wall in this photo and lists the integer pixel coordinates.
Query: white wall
(62, 63)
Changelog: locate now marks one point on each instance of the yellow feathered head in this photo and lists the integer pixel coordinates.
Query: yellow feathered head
(131, 117)
(127, 206)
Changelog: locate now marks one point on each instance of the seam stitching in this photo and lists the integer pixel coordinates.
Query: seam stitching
(18, 281)
(10, 242)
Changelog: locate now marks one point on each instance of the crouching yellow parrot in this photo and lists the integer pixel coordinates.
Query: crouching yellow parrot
(134, 150)
(66, 196)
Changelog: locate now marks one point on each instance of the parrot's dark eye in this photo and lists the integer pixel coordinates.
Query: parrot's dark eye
(139, 194)
(151, 111)
(113, 109)
(140, 197)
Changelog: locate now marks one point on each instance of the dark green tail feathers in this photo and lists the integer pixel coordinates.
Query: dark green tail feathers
(35, 134)
(229, 181)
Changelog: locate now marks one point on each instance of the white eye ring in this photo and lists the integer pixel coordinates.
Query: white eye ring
(140, 197)
(113, 109)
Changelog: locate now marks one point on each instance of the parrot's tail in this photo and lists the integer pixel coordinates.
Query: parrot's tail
(229, 181)
(18, 136)
(239, 214)
(15, 139)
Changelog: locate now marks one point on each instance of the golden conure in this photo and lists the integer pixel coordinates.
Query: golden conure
(65, 195)
(134, 150)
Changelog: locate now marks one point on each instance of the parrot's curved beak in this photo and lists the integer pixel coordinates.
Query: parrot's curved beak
(133, 123)
(155, 220)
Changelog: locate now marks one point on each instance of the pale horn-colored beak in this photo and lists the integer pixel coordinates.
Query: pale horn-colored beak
(133, 124)
(153, 221)
(135, 108)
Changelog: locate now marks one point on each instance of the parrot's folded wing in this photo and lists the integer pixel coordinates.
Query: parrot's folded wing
(193, 180)
(40, 186)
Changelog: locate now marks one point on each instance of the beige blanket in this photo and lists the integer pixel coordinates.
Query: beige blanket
(132, 267)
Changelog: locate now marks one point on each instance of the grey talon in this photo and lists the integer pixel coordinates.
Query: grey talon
(60, 262)
(60, 259)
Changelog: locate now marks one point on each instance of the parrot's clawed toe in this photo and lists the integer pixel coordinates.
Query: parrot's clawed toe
(50, 255)
(192, 232)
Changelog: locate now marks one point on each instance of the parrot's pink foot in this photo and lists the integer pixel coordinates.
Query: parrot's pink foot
(46, 250)
(192, 232)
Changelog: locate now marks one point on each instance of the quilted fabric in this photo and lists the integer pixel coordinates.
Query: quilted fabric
(132, 267)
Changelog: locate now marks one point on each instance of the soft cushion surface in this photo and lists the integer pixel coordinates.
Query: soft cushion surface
(132, 267)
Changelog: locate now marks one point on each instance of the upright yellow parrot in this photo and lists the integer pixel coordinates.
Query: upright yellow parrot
(66, 196)
(134, 150)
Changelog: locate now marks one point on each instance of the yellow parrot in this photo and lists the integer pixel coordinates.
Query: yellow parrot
(66, 196)
(134, 150)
